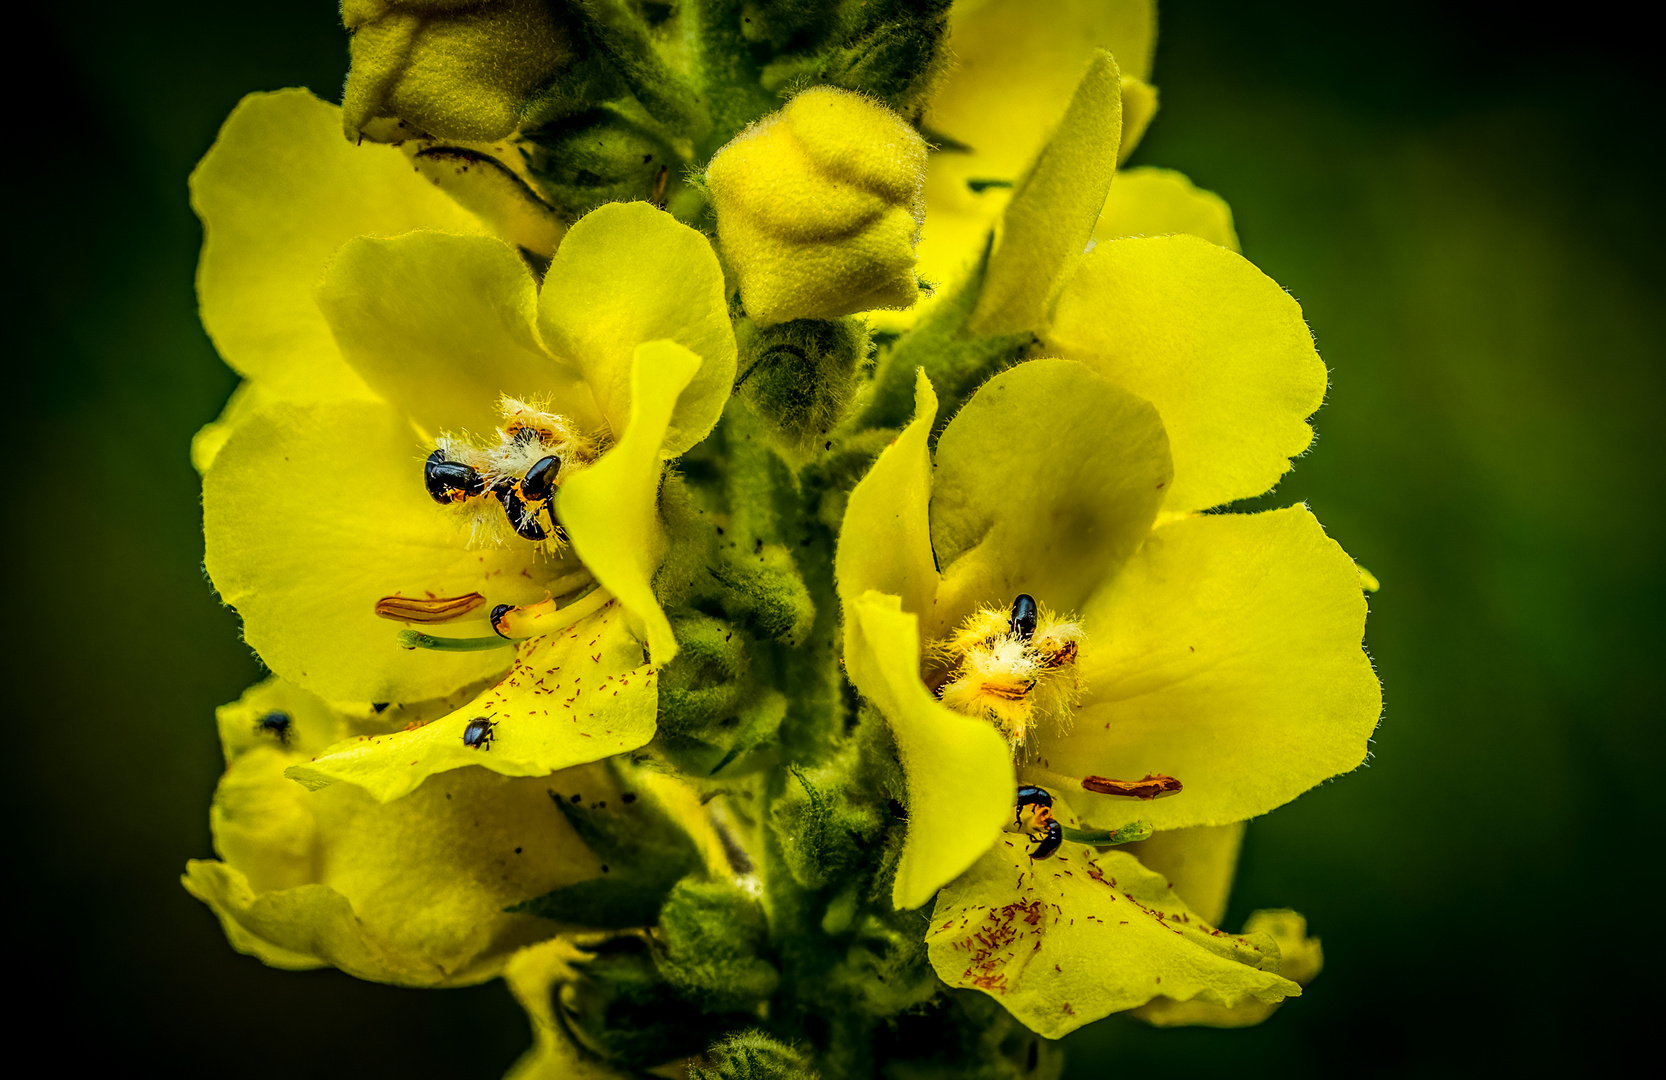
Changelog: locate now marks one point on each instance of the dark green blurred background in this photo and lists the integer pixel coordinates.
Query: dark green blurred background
(1467, 208)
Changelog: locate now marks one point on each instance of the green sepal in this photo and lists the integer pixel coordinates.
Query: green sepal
(705, 683)
(644, 854)
(885, 968)
(955, 360)
(713, 933)
(799, 376)
(892, 50)
(759, 722)
(751, 1055)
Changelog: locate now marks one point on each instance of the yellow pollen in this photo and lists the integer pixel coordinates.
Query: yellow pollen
(990, 671)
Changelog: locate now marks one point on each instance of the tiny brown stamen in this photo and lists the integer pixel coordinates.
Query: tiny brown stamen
(1154, 786)
(1011, 691)
(411, 609)
(1064, 654)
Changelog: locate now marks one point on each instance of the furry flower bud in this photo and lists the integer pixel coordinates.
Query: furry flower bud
(819, 208)
(450, 71)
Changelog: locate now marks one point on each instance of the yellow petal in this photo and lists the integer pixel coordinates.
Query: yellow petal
(312, 513)
(245, 400)
(1063, 942)
(625, 274)
(960, 776)
(534, 975)
(611, 510)
(1198, 863)
(1226, 654)
(572, 697)
(1215, 344)
(1013, 75)
(1300, 959)
(1139, 108)
(1048, 223)
(441, 326)
(1046, 482)
(885, 541)
(1161, 202)
(1015, 71)
(278, 193)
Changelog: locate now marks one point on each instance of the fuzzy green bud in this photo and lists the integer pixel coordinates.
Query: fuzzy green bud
(821, 832)
(798, 376)
(623, 1009)
(704, 684)
(713, 932)
(819, 208)
(450, 70)
(763, 586)
(751, 1055)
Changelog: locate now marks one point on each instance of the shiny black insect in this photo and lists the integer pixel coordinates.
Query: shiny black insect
(522, 517)
(1024, 615)
(448, 481)
(479, 733)
(276, 724)
(1043, 802)
(539, 483)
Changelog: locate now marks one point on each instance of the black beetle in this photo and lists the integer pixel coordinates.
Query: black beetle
(1038, 797)
(539, 483)
(447, 481)
(1024, 614)
(276, 724)
(478, 734)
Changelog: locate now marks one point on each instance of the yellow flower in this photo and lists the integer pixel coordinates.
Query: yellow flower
(1215, 652)
(1013, 77)
(1016, 80)
(819, 208)
(369, 341)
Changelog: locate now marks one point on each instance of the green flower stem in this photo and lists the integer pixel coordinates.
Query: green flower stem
(1128, 834)
(414, 639)
(956, 361)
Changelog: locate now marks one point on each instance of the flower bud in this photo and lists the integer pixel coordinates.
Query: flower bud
(819, 208)
(450, 71)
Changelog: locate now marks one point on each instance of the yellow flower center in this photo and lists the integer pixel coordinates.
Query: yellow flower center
(519, 471)
(1013, 667)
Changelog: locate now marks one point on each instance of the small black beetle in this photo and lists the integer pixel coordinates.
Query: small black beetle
(539, 484)
(447, 481)
(1039, 798)
(479, 733)
(523, 518)
(276, 724)
(1024, 615)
